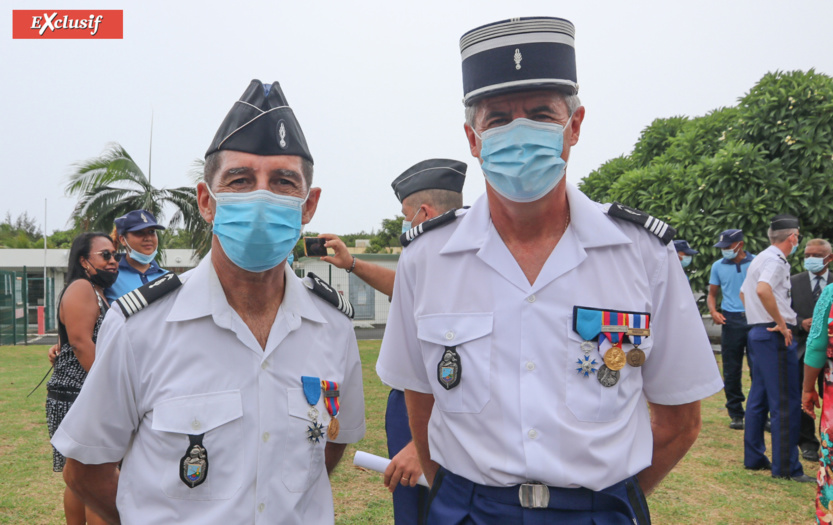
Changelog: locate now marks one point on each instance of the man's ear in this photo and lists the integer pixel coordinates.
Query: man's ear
(474, 142)
(310, 205)
(204, 199)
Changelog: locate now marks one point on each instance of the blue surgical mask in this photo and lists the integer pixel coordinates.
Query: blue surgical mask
(406, 225)
(257, 229)
(139, 257)
(793, 249)
(814, 264)
(522, 160)
(686, 261)
(290, 259)
(729, 254)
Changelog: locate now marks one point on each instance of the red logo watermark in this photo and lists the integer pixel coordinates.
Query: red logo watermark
(68, 24)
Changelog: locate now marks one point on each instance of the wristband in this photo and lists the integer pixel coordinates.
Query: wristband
(353, 267)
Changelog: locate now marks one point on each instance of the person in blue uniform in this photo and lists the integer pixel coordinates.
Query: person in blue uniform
(727, 274)
(685, 253)
(552, 357)
(766, 295)
(136, 233)
(426, 190)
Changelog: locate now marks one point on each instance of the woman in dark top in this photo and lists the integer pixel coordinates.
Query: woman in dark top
(92, 268)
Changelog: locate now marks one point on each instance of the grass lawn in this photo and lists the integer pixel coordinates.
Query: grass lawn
(710, 486)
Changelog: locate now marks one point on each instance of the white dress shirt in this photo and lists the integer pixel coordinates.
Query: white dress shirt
(771, 267)
(521, 411)
(188, 364)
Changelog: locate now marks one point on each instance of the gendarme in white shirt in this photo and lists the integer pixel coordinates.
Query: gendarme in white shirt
(188, 364)
(521, 411)
(771, 267)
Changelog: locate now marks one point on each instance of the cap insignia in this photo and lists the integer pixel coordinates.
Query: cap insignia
(518, 58)
(282, 135)
(144, 218)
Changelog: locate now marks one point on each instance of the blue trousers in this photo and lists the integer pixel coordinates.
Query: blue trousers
(454, 500)
(733, 337)
(408, 502)
(774, 387)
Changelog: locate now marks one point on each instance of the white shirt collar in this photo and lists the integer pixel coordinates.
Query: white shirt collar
(202, 295)
(588, 220)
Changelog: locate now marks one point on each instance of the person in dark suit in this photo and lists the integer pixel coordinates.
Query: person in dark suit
(806, 289)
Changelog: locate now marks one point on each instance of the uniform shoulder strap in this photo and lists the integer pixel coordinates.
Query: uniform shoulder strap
(326, 292)
(408, 237)
(659, 228)
(139, 299)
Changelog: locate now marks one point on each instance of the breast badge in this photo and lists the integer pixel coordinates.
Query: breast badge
(193, 467)
(449, 369)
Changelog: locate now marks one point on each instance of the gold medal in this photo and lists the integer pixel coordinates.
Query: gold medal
(614, 358)
(636, 357)
(332, 428)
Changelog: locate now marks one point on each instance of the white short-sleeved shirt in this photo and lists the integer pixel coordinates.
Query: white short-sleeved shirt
(771, 267)
(521, 411)
(188, 364)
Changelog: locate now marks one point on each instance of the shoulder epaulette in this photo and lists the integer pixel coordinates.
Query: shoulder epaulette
(408, 237)
(326, 292)
(662, 230)
(141, 297)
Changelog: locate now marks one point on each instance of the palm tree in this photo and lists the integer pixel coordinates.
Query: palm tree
(112, 184)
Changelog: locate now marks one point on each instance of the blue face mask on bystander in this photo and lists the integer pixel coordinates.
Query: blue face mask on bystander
(686, 260)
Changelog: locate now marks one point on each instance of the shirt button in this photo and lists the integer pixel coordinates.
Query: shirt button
(195, 424)
(530, 299)
(532, 434)
(264, 365)
(449, 335)
(265, 437)
(261, 507)
(530, 365)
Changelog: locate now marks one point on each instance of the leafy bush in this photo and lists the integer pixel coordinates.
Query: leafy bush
(734, 168)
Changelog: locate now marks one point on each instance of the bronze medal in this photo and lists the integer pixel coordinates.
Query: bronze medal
(614, 358)
(636, 357)
(332, 428)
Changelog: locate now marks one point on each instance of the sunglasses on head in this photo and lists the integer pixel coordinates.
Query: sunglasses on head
(106, 254)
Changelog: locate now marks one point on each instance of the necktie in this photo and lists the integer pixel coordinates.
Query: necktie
(817, 288)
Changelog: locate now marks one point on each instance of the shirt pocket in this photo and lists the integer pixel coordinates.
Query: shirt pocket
(218, 415)
(470, 334)
(303, 461)
(589, 400)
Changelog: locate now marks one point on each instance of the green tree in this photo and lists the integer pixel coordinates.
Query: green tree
(734, 167)
(387, 237)
(113, 184)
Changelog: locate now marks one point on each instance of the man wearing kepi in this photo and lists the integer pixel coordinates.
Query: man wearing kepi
(533, 331)
(766, 295)
(426, 190)
(727, 275)
(230, 395)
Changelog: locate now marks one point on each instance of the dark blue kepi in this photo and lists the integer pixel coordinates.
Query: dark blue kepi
(519, 54)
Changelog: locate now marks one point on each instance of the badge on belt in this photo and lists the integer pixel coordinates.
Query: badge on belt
(193, 467)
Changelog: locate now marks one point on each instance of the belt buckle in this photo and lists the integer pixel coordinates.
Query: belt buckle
(534, 495)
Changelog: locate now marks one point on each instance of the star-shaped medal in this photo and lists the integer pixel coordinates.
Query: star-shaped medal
(315, 431)
(586, 366)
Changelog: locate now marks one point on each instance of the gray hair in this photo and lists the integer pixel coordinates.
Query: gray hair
(572, 102)
(779, 236)
(440, 200)
(820, 242)
(213, 161)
